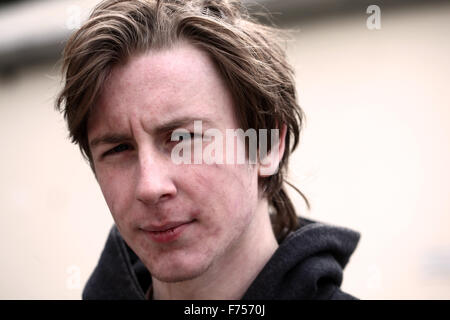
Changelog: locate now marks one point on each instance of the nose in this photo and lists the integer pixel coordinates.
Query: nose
(154, 183)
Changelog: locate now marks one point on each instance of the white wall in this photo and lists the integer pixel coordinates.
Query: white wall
(374, 157)
(375, 153)
(53, 215)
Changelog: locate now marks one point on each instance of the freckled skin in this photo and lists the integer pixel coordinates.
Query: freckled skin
(143, 186)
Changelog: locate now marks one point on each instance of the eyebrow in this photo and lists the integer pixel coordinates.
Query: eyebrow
(109, 139)
(112, 138)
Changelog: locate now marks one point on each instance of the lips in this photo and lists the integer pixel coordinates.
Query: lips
(165, 227)
(168, 232)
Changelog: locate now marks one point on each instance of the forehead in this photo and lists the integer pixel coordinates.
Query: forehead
(161, 86)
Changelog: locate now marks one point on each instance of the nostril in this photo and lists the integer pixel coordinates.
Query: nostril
(165, 197)
(153, 198)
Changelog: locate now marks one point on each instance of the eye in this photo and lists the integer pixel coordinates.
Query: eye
(185, 137)
(117, 149)
(189, 136)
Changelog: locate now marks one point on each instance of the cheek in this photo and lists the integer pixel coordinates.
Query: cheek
(229, 191)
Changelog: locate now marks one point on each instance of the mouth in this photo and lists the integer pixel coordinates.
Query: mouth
(168, 232)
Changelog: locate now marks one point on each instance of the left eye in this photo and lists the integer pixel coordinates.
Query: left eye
(118, 149)
(185, 137)
(189, 136)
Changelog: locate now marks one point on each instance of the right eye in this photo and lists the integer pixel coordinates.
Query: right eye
(117, 149)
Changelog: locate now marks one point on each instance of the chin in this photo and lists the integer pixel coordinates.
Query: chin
(177, 273)
(178, 277)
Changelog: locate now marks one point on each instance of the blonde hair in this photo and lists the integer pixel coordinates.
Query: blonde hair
(246, 52)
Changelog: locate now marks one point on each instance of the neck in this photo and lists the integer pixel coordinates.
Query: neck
(229, 277)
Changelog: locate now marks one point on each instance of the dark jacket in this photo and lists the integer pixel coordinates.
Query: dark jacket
(308, 264)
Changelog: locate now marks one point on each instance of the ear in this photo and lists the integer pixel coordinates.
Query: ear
(268, 166)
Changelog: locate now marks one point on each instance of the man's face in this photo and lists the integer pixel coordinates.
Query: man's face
(179, 219)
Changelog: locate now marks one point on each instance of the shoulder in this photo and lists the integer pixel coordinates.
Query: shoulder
(308, 264)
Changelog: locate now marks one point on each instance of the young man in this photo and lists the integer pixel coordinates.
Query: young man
(146, 81)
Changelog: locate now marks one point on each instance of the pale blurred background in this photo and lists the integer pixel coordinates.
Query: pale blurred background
(374, 154)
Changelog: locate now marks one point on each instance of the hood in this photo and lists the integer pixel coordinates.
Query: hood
(308, 264)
